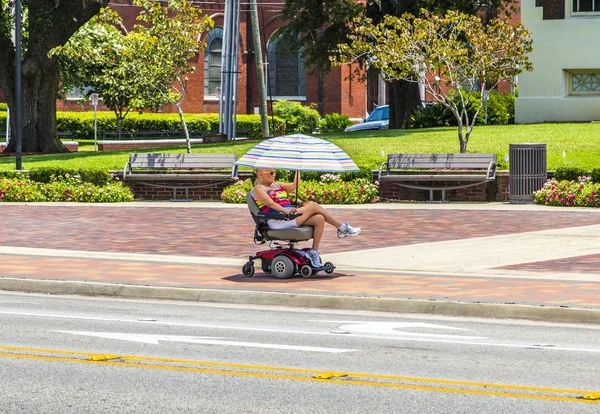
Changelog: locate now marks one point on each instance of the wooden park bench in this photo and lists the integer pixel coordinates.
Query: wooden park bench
(468, 169)
(167, 169)
(146, 135)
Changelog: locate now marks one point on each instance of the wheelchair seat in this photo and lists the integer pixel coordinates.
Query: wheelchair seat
(262, 232)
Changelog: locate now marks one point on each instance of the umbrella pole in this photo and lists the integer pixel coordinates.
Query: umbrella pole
(297, 179)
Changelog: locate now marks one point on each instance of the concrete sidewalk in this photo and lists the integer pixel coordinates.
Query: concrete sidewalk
(490, 260)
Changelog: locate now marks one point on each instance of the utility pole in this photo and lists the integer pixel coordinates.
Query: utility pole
(260, 70)
(18, 131)
(229, 65)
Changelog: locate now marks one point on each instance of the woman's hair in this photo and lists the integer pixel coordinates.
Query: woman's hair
(254, 176)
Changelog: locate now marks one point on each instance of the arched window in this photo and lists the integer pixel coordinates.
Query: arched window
(212, 62)
(286, 75)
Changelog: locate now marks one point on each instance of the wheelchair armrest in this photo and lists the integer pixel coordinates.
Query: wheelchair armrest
(279, 216)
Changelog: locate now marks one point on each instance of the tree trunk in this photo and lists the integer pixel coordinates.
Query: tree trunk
(39, 89)
(462, 142)
(49, 24)
(185, 129)
(403, 98)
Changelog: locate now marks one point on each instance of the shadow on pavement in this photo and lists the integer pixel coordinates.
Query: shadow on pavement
(264, 278)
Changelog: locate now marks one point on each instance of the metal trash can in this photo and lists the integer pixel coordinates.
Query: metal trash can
(527, 171)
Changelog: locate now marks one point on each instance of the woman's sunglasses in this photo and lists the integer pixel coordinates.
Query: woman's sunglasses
(270, 172)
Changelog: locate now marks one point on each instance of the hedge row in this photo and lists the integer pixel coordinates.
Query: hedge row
(81, 124)
(48, 174)
(573, 173)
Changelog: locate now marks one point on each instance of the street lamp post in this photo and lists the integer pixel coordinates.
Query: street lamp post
(18, 83)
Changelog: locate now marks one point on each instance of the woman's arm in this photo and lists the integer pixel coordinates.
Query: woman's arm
(261, 195)
(291, 187)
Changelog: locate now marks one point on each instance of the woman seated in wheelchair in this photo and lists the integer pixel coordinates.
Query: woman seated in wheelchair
(271, 196)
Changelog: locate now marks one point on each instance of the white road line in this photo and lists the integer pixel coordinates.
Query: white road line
(458, 340)
(156, 339)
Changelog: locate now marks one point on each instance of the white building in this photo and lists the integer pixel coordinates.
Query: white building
(565, 83)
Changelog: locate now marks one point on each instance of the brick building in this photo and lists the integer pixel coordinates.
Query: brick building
(286, 79)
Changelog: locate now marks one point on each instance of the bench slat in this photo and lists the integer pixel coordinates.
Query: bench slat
(181, 165)
(164, 161)
(445, 161)
(430, 177)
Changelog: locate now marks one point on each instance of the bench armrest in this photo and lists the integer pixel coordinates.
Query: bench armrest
(125, 169)
(381, 169)
(234, 171)
(491, 171)
(279, 216)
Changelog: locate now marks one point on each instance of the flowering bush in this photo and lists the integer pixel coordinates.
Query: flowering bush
(236, 192)
(330, 190)
(62, 188)
(329, 178)
(580, 193)
(20, 189)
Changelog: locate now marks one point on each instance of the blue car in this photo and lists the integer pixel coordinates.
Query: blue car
(378, 119)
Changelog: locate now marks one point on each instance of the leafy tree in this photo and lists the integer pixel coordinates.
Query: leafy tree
(320, 26)
(444, 53)
(100, 59)
(164, 45)
(47, 24)
(136, 69)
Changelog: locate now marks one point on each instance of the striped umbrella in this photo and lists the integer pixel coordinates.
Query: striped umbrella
(299, 153)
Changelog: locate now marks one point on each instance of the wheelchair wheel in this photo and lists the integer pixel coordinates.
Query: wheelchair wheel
(266, 266)
(248, 269)
(306, 271)
(282, 267)
(330, 265)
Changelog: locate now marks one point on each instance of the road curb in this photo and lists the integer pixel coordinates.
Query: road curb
(305, 300)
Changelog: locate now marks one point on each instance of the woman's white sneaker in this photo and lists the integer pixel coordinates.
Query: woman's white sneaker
(314, 258)
(346, 230)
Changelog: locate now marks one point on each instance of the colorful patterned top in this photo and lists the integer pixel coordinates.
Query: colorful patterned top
(278, 195)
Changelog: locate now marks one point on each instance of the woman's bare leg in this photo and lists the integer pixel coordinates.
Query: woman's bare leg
(312, 208)
(318, 221)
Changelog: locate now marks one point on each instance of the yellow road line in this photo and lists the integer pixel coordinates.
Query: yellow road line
(298, 378)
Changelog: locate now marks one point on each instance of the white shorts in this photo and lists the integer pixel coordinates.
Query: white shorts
(282, 224)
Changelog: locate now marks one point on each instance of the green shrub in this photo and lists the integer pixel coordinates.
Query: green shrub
(501, 108)
(472, 105)
(569, 173)
(595, 175)
(565, 193)
(3, 107)
(249, 124)
(329, 190)
(49, 174)
(288, 176)
(14, 174)
(297, 118)
(81, 124)
(335, 121)
(430, 116)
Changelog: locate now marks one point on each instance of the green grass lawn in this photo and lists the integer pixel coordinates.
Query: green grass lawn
(580, 142)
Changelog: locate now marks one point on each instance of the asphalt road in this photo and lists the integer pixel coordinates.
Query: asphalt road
(77, 355)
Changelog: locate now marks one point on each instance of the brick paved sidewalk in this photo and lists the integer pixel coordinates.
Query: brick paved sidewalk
(228, 232)
(578, 294)
(215, 232)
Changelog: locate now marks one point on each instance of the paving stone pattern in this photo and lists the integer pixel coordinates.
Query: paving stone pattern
(580, 264)
(228, 232)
